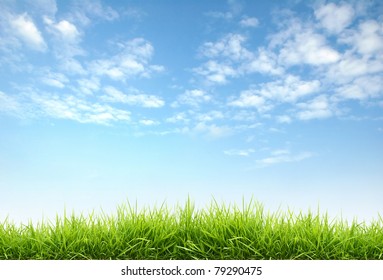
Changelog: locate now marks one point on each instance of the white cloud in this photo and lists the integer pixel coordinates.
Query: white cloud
(66, 30)
(212, 130)
(147, 122)
(230, 46)
(317, 108)
(335, 18)
(43, 7)
(114, 95)
(72, 108)
(66, 46)
(9, 104)
(263, 61)
(362, 88)
(178, 118)
(368, 39)
(290, 89)
(55, 79)
(249, 22)
(250, 98)
(307, 47)
(220, 15)
(87, 10)
(71, 66)
(25, 29)
(193, 97)
(96, 8)
(144, 100)
(283, 156)
(89, 86)
(242, 153)
(225, 57)
(210, 116)
(284, 119)
(215, 72)
(131, 60)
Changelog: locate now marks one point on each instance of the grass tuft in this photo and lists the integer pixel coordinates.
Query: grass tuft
(216, 232)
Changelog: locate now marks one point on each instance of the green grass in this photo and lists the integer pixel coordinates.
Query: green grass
(216, 232)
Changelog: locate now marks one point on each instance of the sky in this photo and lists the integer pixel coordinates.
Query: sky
(103, 102)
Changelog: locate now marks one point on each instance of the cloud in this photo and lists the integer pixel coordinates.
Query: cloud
(43, 7)
(89, 86)
(250, 98)
(193, 97)
(351, 67)
(64, 29)
(317, 108)
(215, 72)
(178, 118)
(229, 58)
(242, 153)
(234, 9)
(73, 108)
(224, 58)
(211, 131)
(249, 22)
(367, 39)
(287, 90)
(9, 105)
(209, 116)
(220, 15)
(114, 95)
(25, 29)
(362, 88)
(282, 156)
(57, 80)
(335, 18)
(264, 61)
(283, 119)
(66, 44)
(86, 10)
(307, 47)
(147, 122)
(131, 60)
(230, 46)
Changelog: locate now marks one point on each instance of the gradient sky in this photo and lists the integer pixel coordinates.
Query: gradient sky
(152, 101)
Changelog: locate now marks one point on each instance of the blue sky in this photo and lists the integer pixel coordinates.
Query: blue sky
(103, 101)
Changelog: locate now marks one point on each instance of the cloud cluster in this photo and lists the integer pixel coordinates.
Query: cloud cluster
(70, 86)
(131, 60)
(304, 68)
(314, 64)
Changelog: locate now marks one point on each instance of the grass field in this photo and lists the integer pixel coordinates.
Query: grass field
(216, 232)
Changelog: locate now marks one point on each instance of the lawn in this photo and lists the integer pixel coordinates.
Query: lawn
(219, 231)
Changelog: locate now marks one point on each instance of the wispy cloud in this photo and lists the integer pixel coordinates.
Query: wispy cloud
(72, 108)
(86, 11)
(193, 97)
(283, 156)
(210, 130)
(241, 153)
(266, 96)
(9, 105)
(131, 60)
(114, 95)
(54, 79)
